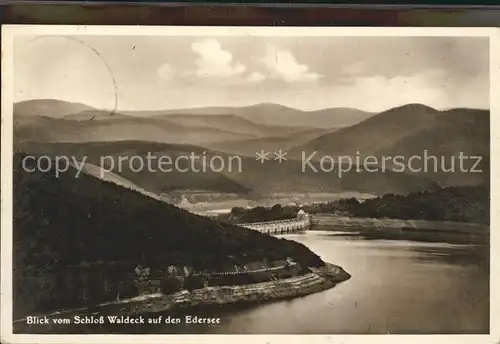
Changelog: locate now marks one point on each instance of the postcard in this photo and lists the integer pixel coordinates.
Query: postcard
(191, 183)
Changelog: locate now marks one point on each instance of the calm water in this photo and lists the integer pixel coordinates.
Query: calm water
(396, 287)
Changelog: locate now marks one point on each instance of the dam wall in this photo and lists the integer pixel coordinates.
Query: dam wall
(298, 224)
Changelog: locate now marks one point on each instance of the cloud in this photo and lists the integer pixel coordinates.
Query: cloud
(213, 61)
(355, 68)
(282, 65)
(380, 93)
(218, 66)
(256, 78)
(165, 71)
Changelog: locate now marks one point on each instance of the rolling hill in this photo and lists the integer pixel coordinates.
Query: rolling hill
(230, 123)
(407, 130)
(275, 114)
(103, 231)
(49, 108)
(39, 128)
(46, 129)
(241, 175)
(150, 179)
(58, 121)
(266, 114)
(415, 130)
(109, 176)
(249, 147)
(459, 131)
(376, 132)
(95, 115)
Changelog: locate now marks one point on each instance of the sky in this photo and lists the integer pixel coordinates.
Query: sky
(308, 73)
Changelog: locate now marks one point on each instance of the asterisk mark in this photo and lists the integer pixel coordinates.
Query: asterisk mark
(262, 156)
(280, 156)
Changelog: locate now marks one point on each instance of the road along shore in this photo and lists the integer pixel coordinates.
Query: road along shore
(417, 230)
(316, 280)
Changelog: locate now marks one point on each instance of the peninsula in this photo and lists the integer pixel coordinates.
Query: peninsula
(86, 245)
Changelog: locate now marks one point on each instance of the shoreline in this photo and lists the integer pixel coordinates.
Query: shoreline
(317, 280)
(398, 229)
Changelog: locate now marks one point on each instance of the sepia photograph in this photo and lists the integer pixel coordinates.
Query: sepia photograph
(246, 181)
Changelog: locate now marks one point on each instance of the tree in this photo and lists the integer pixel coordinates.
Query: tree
(352, 202)
(170, 285)
(277, 211)
(238, 211)
(193, 282)
(257, 214)
(289, 212)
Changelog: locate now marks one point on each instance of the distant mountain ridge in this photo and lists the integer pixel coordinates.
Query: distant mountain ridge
(406, 130)
(48, 120)
(415, 130)
(49, 108)
(265, 113)
(94, 114)
(386, 128)
(253, 180)
(275, 114)
(376, 131)
(230, 123)
(48, 129)
(248, 147)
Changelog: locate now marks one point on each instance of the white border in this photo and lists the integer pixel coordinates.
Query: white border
(8, 33)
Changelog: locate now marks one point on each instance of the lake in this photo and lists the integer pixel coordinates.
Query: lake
(398, 287)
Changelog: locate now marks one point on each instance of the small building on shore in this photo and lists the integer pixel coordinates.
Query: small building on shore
(301, 214)
(177, 278)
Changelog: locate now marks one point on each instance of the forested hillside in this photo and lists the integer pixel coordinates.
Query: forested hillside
(72, 223)
(460, 204)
